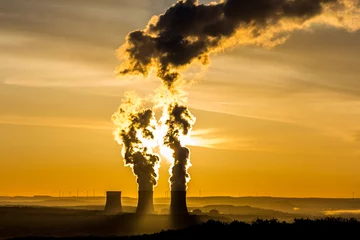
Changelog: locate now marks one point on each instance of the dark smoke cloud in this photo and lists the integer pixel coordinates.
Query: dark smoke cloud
(189, 31)
(179, 123)
(135, 153)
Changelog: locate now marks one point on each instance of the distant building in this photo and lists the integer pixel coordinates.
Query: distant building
(113, 202)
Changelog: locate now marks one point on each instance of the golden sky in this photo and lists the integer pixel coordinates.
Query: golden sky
(279, 122)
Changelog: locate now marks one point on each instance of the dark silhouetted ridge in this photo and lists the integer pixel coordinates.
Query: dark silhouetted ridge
(330, 228)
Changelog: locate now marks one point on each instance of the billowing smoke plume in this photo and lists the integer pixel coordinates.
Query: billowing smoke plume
(179, 123)
(188, 31)
(135, 132)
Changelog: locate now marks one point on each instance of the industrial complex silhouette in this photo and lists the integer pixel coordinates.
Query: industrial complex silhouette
(145, 204)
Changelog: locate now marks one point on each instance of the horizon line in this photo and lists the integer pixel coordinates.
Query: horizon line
(192, 196)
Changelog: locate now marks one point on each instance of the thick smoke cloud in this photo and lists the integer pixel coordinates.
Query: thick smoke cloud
(135, 131)
(188, 31)
(179, 123)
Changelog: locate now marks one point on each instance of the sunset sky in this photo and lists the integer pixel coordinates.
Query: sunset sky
(274, 122)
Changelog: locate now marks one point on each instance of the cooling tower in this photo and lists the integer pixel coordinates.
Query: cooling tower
(113, 202)
(178, 203)
(145, 202)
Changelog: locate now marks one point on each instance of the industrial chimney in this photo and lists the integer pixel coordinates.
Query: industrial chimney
(145, 202)
(178, 203)
(113, 202)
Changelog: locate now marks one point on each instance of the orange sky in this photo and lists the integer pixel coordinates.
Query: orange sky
(280, 122)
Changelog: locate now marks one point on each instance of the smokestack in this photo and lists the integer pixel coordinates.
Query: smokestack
(113, 202)
(178, 203)
(145, 202)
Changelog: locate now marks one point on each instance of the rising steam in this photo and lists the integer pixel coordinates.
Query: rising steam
(135, 132)
(187, 33)
(178, 122)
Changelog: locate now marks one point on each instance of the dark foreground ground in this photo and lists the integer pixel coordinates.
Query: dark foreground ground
(60, 222)
(26, 222)
(330, 228)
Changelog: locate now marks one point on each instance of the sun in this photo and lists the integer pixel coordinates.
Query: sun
(185, 140)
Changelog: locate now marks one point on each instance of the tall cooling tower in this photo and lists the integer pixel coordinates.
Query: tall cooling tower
(113, 202)
(178, 203)
(145, 202)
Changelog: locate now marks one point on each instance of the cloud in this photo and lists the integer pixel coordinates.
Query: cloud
(65, 43)
(188, 32)
(357, 136)
(55, 122)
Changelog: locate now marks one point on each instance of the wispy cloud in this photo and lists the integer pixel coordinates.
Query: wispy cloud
(55, 122)
(357, 136)
(207, 138)
(214, 138)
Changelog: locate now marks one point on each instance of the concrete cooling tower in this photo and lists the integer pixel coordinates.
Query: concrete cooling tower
(145, 202)
(178, 203)
(113, 202)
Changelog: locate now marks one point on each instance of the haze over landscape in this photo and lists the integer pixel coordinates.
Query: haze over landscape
(181, 119)
(269, 122)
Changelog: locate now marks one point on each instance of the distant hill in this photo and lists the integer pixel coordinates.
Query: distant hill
(314, 206)
(291, 205)
(240, 210)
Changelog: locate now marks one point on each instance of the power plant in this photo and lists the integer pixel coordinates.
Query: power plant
(113, 202)
(145, 202)
(178, 203)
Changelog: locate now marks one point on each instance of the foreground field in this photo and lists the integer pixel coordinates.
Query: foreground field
(329, 228)
(60, 222)
(18, 222)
